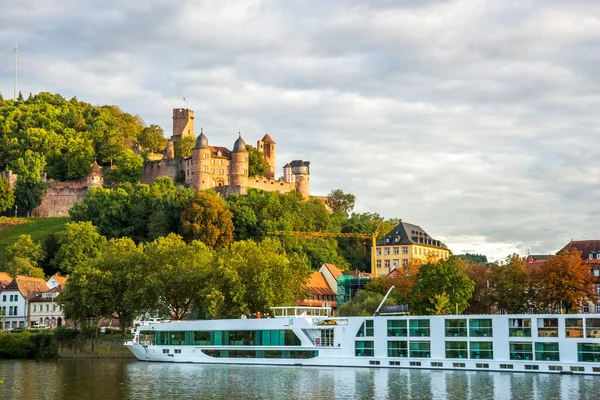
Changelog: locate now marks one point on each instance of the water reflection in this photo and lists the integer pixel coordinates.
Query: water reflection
(124, 379)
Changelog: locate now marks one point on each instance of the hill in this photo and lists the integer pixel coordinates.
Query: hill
(38, 228)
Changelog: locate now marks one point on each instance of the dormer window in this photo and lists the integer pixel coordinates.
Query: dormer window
(219, 153)
(387, 239)
(598, 256)
(396, 239)
(591, 257)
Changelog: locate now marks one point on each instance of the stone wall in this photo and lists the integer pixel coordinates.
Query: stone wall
(155, 169)
(92, 348)
(59, 198)
(271, 185)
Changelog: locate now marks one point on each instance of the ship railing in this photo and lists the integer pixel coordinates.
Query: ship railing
(297, 311)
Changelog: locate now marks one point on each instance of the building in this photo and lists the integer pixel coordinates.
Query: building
(44, 309)
(321, 289)
(404, 243)
(590, 255)
(57, 280)
(223, 169)
(5, 279)
(15, 297)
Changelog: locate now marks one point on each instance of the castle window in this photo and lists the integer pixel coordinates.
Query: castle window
(243, 159)
(378, 251)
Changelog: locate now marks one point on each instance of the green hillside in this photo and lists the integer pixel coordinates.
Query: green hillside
(38, 228)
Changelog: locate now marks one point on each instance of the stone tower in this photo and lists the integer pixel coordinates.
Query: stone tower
(170, 150)
(238, 167)
(183, 124)
(201, 179)
(301, 170)
(267, 147)
(95, 177)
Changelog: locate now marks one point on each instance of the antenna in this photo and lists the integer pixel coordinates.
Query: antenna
(16, 69)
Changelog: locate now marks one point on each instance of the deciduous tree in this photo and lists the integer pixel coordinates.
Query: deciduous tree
(364, 303)
(510, 285)
(7, 195)
(79, 243)
(208, 220)
(152, 138)
(341, 202)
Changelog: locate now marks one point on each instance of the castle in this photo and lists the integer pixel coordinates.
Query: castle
(226, 171)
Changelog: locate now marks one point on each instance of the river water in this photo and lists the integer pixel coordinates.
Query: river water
(129, 379)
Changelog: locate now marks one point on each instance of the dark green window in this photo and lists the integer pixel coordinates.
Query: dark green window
(364, 348)
(521, 351)
(547, 352)
(519, 327)
(480, 327)
(295, 354)
(229, 338)
(456, 327)
(588, 352)
(397, 348)
(366, 329)
(420, 349)
(482, 350)
(419, 327)
(457, 350)
(396, 327)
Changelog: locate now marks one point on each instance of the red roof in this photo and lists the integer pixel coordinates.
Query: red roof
(318, 285)
(5, 279)
(335, 271)
(586, 247)
(267, 139)
(27, 286)
(225, 152)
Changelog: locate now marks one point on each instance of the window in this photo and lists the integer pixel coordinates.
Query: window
(47, 307)
(592, 327)
(437, 364)
(598, 256)
(456, 327)
(520, 351)
(532, 367)
(555, 368)
(396, 250)
(378, 251)
(588, 352)
(597, 307)
(396, 327)
(15, 312)
(420, 349)
(480, 327)
(374, 362)
(3, 297)
(364, 348)
(577, 369)
(397, 348)
(396, 263)
(591, 256)
(34, 308)
(405, 263)
(573, 328)
(404, 249)
(419, 327)
(597, 272)
(519, 327)
(165, 351)
(457, 350)
(483, 350)
(547, 352)
(415, 363)
(177, 351)
(506, 366)
(458, 365)
(378, 263)
(366, 329)
(387, 264)
(396, 239)
(482, 365)
(386, 251)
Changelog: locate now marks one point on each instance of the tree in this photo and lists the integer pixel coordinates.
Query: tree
(178, 273)
(25, 248)
(564, 280)
(28, 195)
(78, 157)
(365, 304)
(79, 243)
(206, 219)
(7, 195)
(481, 301)
(257, 166)
(443, 277)
(473, 258)
(152, 138)
(183, 148)
(23, 266)
(510, 285)
(129, 166)
(340, 202)
(403, 282)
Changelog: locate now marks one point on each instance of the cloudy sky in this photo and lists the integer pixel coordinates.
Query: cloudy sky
(477, 120)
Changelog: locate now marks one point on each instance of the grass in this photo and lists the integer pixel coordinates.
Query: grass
(38, 228)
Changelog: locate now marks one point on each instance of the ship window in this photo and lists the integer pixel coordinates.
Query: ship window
(482, 365)
(547, 327)
(592, 327)
(374, 362)
(437, 364)
(456, 327)
(547, 352)
(573, 328)
(177, 351)
(415, 363)
(458, 365)
(577, 369)
(419, 327)
(588, 352)
(165, 351)
(506, 366)
(420, 349)
(396, 327)
(521, 351)
(457, 350)
(366, 329)
(483, 350)
(397, 348)
(519, 327)
(364, 348)
(532, 367)
(480, 327)
(555, 368)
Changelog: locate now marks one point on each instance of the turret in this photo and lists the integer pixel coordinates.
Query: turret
(95, 177)
(267, 147)
(201, 163)
(238, 168)
(301, 170)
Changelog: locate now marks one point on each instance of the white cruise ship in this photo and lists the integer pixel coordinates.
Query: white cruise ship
(549, 343)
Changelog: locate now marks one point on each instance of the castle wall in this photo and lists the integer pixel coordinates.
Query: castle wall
(158, 168)
(10, 177)
(271, 185)
(59, 198)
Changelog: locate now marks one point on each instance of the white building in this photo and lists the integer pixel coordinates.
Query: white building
(44, 309)
(14, 300)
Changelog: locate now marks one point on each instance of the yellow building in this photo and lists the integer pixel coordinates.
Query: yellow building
(404, 243)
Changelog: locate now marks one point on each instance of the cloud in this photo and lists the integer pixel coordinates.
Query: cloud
(473, 119)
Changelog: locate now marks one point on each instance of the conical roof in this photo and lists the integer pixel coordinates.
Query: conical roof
(201, 141)
(96, 170)
(239, 146)
(267, 139)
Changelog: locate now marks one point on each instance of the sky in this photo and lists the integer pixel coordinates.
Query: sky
(476, 120)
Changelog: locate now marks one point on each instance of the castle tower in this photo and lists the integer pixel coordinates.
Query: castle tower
(201, 164)
(183, 124)
(170, 150)
(95, 177)
(301, 170)
(238, 167)
(267, 147)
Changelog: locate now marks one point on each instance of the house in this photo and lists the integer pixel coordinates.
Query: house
(57, 280)
(404, 243)
(44, 309)
(590, 255)
(14, 300)
(319, 288)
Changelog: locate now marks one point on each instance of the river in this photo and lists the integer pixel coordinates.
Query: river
(129, 379)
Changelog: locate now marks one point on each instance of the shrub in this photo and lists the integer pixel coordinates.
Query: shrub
(66, 333)
(16, 345)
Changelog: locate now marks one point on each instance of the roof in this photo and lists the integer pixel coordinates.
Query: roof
(317, 285)
(224, 151)
(5, 279)
(537, 257)
(239, 146)
(335, 271)
(38, 297)
(586, 247)
(405, 233)
(62, 280)
(27, 286)
(267, 139)
(201, 141)
(96, 170)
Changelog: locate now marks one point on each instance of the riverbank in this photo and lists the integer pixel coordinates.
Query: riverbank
(93, 348)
